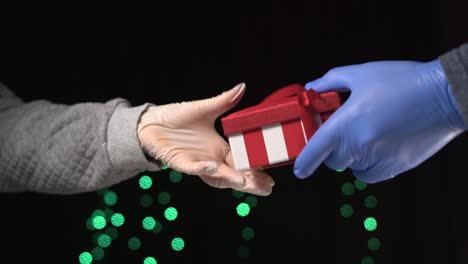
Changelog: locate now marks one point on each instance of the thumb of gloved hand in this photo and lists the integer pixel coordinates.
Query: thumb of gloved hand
(213, 107)
(190, 112)
(182, 136)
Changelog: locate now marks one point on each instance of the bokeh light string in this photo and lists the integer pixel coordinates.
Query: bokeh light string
(369, 220)
(104, 222)
(245, 203)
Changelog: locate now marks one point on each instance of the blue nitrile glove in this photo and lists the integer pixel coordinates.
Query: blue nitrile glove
(398, 115)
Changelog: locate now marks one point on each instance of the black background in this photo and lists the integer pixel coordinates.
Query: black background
(170, 51)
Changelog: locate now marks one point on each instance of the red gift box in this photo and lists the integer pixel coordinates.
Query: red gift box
(274, 132)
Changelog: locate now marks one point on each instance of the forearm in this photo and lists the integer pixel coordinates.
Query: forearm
(455, 65)
(53, 148)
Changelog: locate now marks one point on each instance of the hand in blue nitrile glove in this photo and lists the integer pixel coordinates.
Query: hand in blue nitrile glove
(398, 115)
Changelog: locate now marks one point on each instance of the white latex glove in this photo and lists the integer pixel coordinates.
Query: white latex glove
(183, 136)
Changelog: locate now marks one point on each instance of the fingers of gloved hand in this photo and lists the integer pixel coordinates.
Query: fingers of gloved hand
(339, 160)
(375, 173)
(318, 149)
(222, 176)
(217, 105)
(219, 175)
(257, 182)
(333, 80)
(214, 173)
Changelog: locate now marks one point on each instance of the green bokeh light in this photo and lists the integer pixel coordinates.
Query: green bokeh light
(359, 184)
(104, 240)
(373, 244)
(146, 200)
(108, 213)
(117, 219)
(251, 201)
(370, 224)
(237, 194)
(134, 243)
(98, 212)
(98, 253)
(145, 182)
(346, 210)
(347, 188)
(89, 223)
(110, 198)
(177, 244)
(340, 170)
(150, 260)
(99, 222)
(112, 232)
(102, 191)
(370, 202)
(243, 252)
(175, 176)
(94, 237)
(171, 213)
(164, 198)
(243, 209)
(157, 228)
(367, 260)
(164, 167)
(148, 223)
(248, 233)
(85, 258)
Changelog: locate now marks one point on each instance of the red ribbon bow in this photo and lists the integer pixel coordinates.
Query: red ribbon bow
(288, 103)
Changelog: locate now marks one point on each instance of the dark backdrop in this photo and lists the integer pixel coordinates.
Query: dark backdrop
(168, 51)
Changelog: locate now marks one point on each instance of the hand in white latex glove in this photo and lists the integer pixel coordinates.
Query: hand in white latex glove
(183, 137)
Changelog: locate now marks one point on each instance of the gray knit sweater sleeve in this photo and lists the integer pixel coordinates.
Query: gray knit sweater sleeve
(455, 65)
(65, 149)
